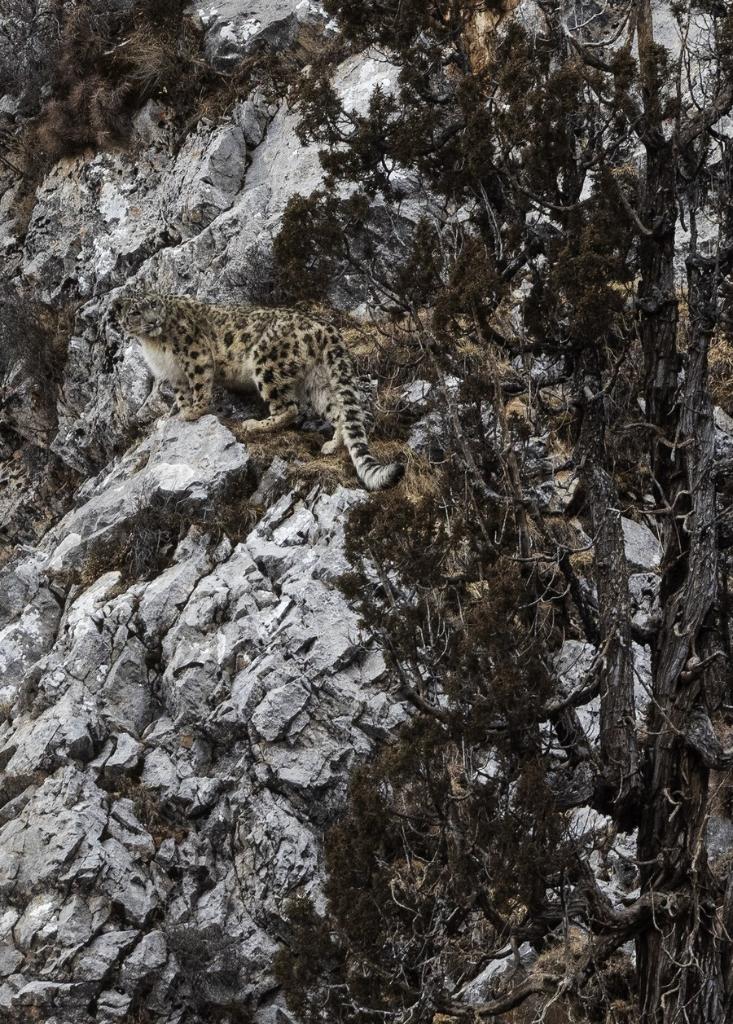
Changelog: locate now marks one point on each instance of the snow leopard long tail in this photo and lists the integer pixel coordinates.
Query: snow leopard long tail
(372, 473)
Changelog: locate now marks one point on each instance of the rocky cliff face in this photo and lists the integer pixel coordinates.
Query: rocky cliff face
(177, 731)
(176, 745)
(184, 689)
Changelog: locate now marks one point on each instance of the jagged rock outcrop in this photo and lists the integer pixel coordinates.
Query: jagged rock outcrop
(174, 745)
(180, 719)
(195, 220)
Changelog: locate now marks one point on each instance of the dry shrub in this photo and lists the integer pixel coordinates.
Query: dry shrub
(721, 372)
(33, 334)
(37, 487)
(151, 55)
(108, 65)
(271, 71)
(34, 341)
(146, 545)
(148, 809)
(423, 480)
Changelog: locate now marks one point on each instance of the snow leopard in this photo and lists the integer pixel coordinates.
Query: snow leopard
(293, 358)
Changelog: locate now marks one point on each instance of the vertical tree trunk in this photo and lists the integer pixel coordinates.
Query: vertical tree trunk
(619, 747)
(680, 969)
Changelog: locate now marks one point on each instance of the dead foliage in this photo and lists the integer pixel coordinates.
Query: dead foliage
(720, 361)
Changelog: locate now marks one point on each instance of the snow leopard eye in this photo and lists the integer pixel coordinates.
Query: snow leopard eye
(152, 309)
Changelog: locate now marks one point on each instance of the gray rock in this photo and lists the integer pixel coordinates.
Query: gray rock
(124, 826)
(723, 421)
(162, 599)
(20, 581)
(555, 494)
(544, 370)
(278, 709)
(148, 956)
(226, 258)
(209, 172)
(76, 922)
(113, 1005)
(279, 853)
(95, 961)
(38, 922)
(573, 664)
(60, 734)
(274, 1013)
(417, 392)
(723, 434)
(253, 116)
(614, 861)
(642, 662)
(25, 640)
(131, 206)
(180, 464)
(232, 27)
(59, 828)
(719, 837)
(10, 958)
(43, 994)
(160, 772)
(256, 650)
(644, 593)
(125, 757)
(643, 550)
(272, 483)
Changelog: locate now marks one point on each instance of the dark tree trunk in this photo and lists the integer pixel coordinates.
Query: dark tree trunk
(617, 790)
(681, 972)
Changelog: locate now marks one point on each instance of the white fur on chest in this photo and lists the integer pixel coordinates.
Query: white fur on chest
(163, 365)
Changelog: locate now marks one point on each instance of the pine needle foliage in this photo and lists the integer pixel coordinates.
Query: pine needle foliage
(565, 166)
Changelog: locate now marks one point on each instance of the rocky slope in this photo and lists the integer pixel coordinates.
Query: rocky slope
(175, 745)
(172, 745)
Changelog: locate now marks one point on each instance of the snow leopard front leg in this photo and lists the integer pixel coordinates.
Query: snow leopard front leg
(195, 390)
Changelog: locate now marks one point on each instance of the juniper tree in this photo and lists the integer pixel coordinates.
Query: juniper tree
(580, 177)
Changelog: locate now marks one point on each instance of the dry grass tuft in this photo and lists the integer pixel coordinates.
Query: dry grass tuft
(720, 361)
(149, 811)
(107, 67)
(152, 53)
(423, 481)
(306, 465)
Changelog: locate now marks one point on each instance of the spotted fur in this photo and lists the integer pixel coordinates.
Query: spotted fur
(292, 358)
